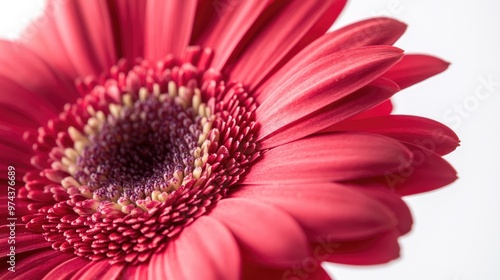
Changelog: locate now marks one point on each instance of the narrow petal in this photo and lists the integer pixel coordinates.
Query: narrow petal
(99, 270)
(285, 30)
(309, 270)
(66, 269)
(382, 109)
(322, 83)
(12, 156)
(47, 42)
(375, 31)
(168, 27)
(392, 201)
(165, 265)
(359, 101)
(232, 21)
(29, 266)
(415, 68)
(26, 240)
(428, 171)
(12, 92)
(86, 33)
(327, 209)
(207, 250)
(409, 129)
(128, 19)
(138, 272)
(377, 250)
(322, 158)
(36, 76)
(264, 232)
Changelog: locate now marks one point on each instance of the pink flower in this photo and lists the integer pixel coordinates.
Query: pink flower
(209, 140)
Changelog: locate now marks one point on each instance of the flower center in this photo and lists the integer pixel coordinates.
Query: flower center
(140, 156)
(138, 149)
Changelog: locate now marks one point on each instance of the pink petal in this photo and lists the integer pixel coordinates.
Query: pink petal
(36, 76)
(15, 157)
(410, 129)
(265, 233)
(138, 272)
(322, 158)
(358, 101)
(427, 172)
(33, 264)
(47, 42)
(392, 201)
(86, 34)
(322, 83)
(294, 21)
(99, 270)
(382, 109)
(204, 250)
(45, 109)
(128, 17)
(66, 269)
(21, 204)
(26, 240)
(377, 250)
(375, 31)
(232, 20)
(168, 27)
(164, 265)
(415, 68)
(326, 209)
(310, 270)
(14, 121)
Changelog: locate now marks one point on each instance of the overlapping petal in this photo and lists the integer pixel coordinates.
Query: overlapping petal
(323, 158)
(327, 209)
(264, 232)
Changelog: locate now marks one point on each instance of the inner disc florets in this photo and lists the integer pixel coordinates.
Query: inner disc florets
(138, 149)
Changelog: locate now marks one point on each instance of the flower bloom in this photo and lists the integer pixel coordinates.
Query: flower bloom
(209, 140)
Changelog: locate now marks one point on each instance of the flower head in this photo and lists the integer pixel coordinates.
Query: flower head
(211, 140)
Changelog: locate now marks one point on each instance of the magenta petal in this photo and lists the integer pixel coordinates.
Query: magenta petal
(322, 158)
(375, 31)
(377, 250)
(66, 269)
(228, 27)
(128, 19)
(382, 109)
(36, 263)
(139, 271)
(168, 27)
(264, 232)
(45, 109)
(313, 271)
(415, 68)
(100, 270)
(36, 75)
(322, 83)
(26, 240)
(164, 265)
(359, 101)
(326, 210)
(409, 129)
(86, 33)
(392, 201)
(286, 29)
(207, 250)
(428, 171)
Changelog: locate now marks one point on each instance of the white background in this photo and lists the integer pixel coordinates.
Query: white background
(457, 229)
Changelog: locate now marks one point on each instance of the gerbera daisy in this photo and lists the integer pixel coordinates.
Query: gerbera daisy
(208, 140)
